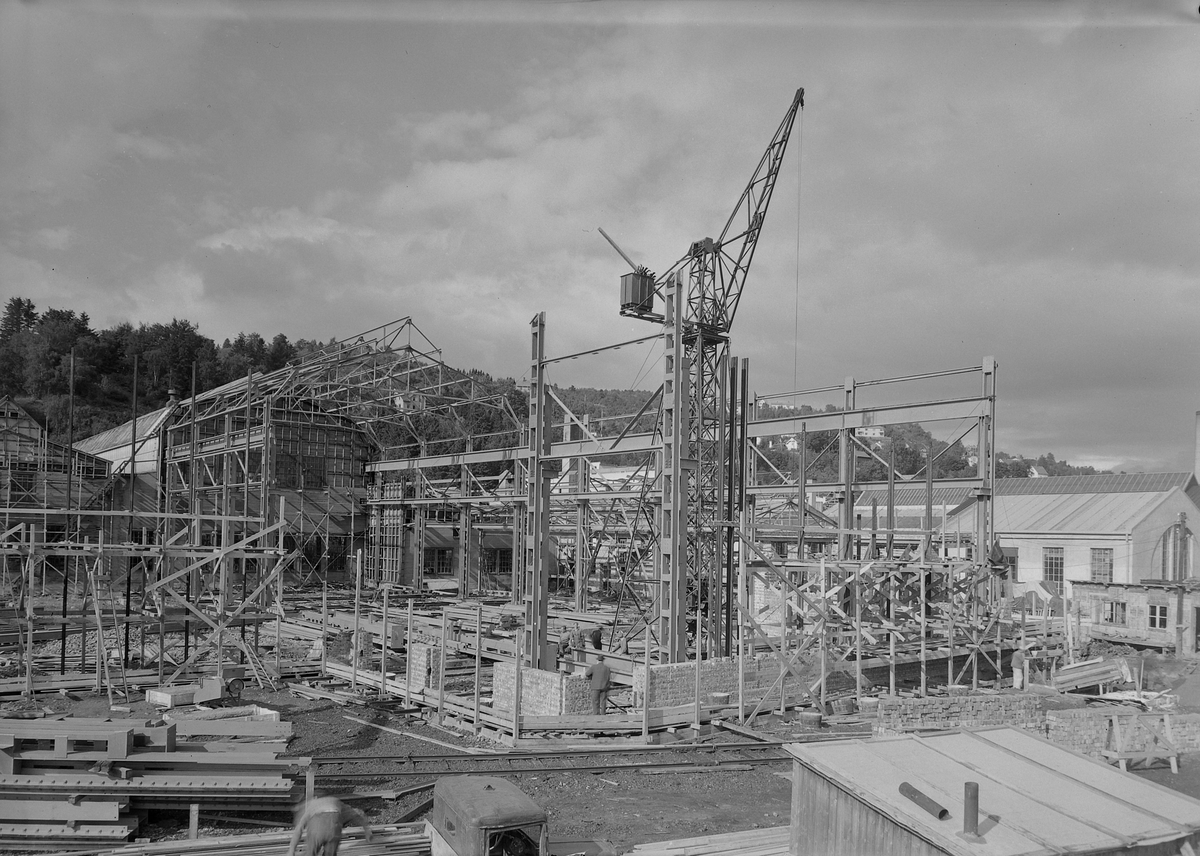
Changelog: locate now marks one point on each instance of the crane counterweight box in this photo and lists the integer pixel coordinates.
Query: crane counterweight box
(637, 292)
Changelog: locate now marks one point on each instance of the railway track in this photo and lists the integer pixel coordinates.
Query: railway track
(678, 757)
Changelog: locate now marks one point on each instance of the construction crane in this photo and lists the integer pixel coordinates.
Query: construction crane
(701, 293)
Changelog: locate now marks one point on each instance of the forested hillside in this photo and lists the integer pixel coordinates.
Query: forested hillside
(35, 369)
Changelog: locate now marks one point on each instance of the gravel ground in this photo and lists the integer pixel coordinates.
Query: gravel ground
(622, 807)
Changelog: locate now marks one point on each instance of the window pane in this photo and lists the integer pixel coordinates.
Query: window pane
(1052, 567)
(1102, 564)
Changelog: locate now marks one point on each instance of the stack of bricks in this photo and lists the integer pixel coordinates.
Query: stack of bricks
(1086, 731)
(542, 693)
(425, 666)
(576, 694)
(675, 683)
(904, 715)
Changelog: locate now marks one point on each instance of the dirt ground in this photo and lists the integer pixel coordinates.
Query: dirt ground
(623, 808)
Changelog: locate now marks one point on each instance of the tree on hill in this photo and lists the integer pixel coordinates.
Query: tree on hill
(19, 315)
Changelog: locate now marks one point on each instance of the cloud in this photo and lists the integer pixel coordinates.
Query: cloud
(1015, 183)
(175, 290)
(264, 231)
(54, 239)
(140, 145)
(75, 81)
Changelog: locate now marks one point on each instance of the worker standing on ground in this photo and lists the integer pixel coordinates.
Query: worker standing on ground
(324, 818)
(597, 637)
(1018, 668)
(599, 676)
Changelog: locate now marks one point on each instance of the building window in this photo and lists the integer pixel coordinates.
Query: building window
(1052, 568)
(496, 562)
(438, 561)
(1114, 612)
(1158, 617)
(1102, 564)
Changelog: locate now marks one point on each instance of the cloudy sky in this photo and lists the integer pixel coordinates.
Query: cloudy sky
(1017, 180)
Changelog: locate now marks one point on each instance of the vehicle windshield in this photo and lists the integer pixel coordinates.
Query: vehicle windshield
(517, 841)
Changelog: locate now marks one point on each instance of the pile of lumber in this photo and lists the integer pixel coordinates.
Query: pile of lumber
(752, 842)
(404, 839)
(84, 780)
(1091, 673)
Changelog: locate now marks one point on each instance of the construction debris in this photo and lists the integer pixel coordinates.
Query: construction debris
(79, 780)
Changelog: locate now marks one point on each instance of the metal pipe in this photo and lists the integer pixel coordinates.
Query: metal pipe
(924, 801)
(971, 809)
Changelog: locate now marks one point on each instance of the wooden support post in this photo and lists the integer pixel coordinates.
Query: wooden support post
(408, 652)
(824, 631)
(892, 633)
(646, 687)
(442, 668)
(383, 644)
(924, 633)
(858, 633)
(324, 623)
(162, 635)
(194, 821)
(310, 783)
(279, 587)
(516, 721)
(478, 658)
(743, 523)
(1022, 620)
(356, 644)
(950, 630)
(1067, 628)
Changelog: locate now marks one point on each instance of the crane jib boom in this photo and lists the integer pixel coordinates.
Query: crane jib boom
(715, 270)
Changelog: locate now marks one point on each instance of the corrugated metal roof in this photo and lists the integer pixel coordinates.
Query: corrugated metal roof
(1089, 512)
(147, 424)
(1034, 796)
(1106, 483)
(913, 496)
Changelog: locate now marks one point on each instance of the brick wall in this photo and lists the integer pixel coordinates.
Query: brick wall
(576, 695)
(425, 666)
(903, 715)
(1086, 731)
(675, 683)
(542, 693)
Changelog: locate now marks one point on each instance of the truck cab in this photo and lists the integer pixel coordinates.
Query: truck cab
(485, 816)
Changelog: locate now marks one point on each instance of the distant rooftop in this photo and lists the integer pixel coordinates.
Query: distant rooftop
(1102, 483)
(113, 438)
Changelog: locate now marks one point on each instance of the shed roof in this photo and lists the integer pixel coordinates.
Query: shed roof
(1100, 504)
(913, 497)
(1084, 513)
(147, 425)
(1034, 796)
(1101, 483)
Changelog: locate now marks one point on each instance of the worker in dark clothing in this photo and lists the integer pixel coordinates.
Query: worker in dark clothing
(324, 818)
(597, 637)
(599, 675)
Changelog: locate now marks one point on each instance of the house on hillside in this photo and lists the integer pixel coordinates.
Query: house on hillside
(1062, 530)
(36, 473)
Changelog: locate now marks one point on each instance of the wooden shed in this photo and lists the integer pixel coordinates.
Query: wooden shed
(1034, 797)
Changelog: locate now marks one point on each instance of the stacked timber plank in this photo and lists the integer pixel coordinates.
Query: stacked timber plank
(1091, 673)
(752, 842)
(84, 780)
(405, 839)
